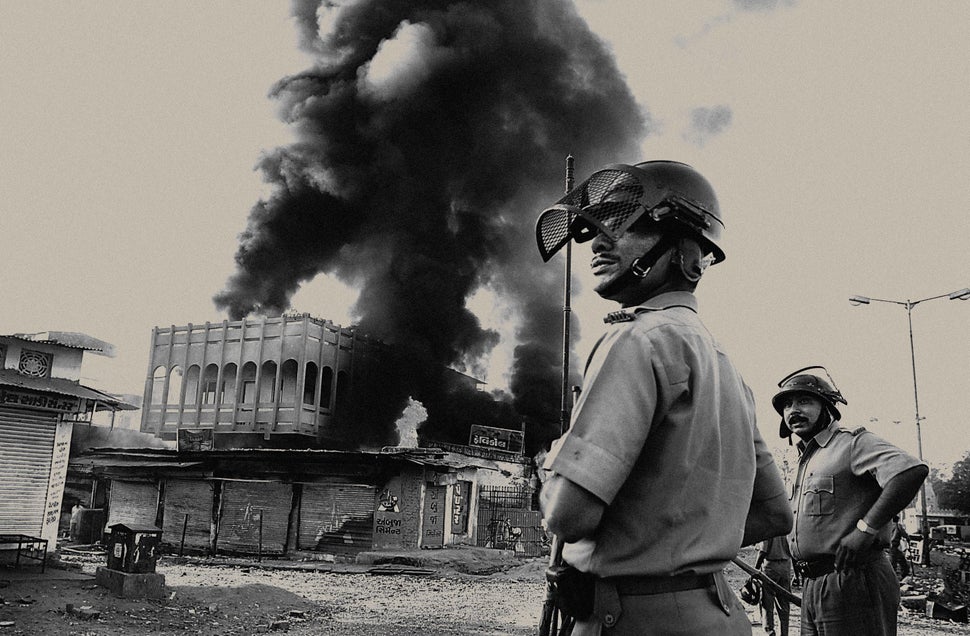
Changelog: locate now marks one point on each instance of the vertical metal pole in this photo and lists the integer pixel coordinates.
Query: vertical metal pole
(924, 526)
(566, 311)
(185, 525)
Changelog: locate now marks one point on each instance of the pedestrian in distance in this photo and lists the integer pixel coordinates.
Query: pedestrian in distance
(774, 559)
(662, 475)
(848, 486)
(896, 553)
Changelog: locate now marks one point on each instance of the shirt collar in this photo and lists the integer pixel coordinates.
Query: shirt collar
(667, 300)
(657, 303)
(823, 437)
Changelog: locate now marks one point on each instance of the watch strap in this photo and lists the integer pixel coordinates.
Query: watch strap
(865, 527)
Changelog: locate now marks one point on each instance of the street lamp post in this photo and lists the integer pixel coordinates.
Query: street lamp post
(960, 294)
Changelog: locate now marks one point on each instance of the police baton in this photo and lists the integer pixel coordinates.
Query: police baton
(761, 576)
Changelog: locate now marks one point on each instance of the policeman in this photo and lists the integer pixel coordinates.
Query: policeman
(774, 558)
(848, 486)
(662, 475)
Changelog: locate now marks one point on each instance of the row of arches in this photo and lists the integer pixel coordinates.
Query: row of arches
(263, 384)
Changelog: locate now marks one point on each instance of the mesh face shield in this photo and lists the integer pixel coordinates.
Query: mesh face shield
(613, 199)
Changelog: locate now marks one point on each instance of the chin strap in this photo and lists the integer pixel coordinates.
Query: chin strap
(639, 268)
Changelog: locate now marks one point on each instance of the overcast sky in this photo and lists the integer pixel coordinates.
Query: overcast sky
(836, 136)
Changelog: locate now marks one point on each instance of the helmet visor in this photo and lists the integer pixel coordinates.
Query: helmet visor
(610, 201)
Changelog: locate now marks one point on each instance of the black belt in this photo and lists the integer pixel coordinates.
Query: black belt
(814, 568)
(647, 585)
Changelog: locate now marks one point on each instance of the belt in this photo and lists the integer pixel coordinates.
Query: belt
(814, 568)
(647, 585)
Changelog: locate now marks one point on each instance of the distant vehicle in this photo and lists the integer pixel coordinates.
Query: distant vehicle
(950, 532)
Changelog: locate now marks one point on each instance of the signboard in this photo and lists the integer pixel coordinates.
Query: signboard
(460, 498)
(501, 439)
(44, 402)
(433, 526)
(199, 440)
(56, 481)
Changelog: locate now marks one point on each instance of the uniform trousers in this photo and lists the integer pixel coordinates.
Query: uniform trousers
(779, 571)
(862, 601)
(687, 613)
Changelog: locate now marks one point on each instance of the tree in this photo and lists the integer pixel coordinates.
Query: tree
(954, 493)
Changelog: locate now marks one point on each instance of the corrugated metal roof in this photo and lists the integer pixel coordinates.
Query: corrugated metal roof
(69, 339)
(170, 457)
(9, 377)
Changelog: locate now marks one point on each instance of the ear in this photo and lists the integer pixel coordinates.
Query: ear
(693, 261)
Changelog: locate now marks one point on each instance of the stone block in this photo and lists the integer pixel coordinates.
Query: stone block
(131, 585)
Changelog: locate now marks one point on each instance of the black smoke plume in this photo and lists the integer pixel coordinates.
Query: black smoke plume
(430, 135)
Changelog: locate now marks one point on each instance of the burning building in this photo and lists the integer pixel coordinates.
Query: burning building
(293, 381)
(428, 134)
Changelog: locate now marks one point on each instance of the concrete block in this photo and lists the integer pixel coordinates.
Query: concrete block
(131, 585)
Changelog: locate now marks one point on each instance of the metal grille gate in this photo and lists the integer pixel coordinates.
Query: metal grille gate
(507, 520)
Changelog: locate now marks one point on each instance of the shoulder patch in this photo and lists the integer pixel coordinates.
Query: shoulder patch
(618, 316)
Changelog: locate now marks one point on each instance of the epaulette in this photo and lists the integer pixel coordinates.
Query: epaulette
(857, 431)
(618, 316)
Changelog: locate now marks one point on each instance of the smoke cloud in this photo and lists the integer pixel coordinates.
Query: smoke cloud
(707, 122)
(430, 134)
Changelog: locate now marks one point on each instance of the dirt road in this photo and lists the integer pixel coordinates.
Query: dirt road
(209, 600)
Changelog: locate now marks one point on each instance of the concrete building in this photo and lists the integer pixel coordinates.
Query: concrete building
(41, 400)
(285, 382)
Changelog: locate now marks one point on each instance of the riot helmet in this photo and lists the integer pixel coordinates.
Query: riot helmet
(813, 384)
(612, 199)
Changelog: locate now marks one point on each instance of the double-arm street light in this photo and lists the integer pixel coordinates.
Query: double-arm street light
(960, 294)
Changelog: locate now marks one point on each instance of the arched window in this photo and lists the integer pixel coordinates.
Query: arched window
(326, 388)
(310, 383)
(191, 393)
(267, 382)
(343, 392)
(158, 386)
(248, 379)
(288, 382)
(174, 383)
(209, 384)
(228, 390)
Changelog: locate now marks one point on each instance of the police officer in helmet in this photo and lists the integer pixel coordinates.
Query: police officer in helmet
(663, 475)
(848, 486)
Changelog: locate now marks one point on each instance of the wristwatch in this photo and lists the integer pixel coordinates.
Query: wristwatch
(865, 527)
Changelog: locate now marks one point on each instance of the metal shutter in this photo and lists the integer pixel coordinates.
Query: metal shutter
(134, 503)
(244, 503)
(26, 447)
(337, 518)
(192, 498)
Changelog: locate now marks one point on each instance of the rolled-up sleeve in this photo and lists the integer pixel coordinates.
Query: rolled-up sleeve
(873, 455)
(614, 412)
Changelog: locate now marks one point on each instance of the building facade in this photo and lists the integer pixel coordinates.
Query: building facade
(41, 400)
(311, 502)
(285, 382)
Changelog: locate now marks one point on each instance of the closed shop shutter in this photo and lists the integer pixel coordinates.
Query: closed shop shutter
(244, 505)
(132, 502)
(26, 447)
(337, 518)
(188, 505)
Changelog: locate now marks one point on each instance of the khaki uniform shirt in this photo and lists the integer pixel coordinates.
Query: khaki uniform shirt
(840, 475)
(663, 433)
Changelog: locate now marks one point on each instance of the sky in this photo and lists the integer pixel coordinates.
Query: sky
(835, 136)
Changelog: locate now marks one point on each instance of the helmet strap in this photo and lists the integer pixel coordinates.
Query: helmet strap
(691, 259)
(639, 268)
